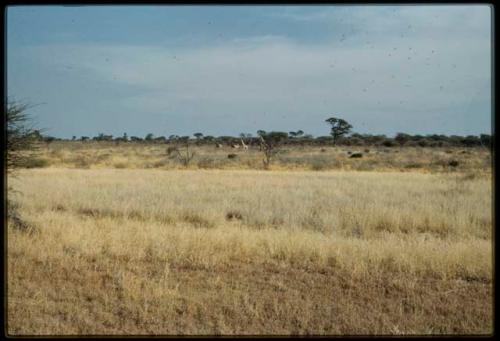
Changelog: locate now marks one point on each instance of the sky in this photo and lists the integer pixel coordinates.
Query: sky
(226, 70)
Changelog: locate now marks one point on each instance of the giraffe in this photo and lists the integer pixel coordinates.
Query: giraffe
(245, 147)
(262, 143)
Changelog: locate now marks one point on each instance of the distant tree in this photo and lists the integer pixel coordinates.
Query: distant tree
(125, 137)
(49, 139)
(182, 150)
(339, 128)
(261, 132)
(402, 138)
(423, 142)
(73, 138)
(198, 135)
(149, 137)
(160, 139)
(99, 137)
(84, 138)
(388, 143)
(356, 141)
(296, 134)
(102, 137)
(485, 140)
(470, 141)
(270, 143)
(135, 139)
(323, 140)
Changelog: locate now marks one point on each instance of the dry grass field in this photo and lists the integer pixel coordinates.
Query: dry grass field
(120, 240)
(90, 154)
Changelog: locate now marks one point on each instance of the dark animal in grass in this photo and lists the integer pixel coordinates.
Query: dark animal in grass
(232, 156)
(356, 155)
(234, 215)
(453, 163)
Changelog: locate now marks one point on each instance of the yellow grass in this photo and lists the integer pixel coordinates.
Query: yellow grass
(134, 251)
(98, 155)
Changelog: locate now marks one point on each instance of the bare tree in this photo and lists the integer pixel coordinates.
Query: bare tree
(269, 144)
(182, 150)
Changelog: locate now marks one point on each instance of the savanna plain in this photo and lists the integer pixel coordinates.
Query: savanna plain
(122, 239)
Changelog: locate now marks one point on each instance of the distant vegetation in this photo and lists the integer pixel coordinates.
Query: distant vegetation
(340, 135)
(301, 139)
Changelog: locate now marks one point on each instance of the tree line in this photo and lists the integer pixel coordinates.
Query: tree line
(22, 136)
(299, 138)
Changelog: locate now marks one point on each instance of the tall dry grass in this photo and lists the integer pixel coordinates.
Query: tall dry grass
(120, 251)
(100, 155)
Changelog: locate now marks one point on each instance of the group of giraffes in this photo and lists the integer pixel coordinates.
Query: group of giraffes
(243, 145)
(236, 146)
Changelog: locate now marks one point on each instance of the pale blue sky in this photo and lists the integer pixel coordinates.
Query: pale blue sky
(224, 70)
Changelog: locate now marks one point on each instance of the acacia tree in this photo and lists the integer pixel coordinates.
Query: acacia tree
(21, 136)
(339, 128)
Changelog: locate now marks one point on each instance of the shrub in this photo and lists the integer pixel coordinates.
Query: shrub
(318, 165)
(120, 165)
(414, 165)
(34, 163)
(207, 163)
(423, 143)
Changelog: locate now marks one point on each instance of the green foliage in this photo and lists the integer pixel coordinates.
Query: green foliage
(339, 128)
(402, 138)
(21, 136)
